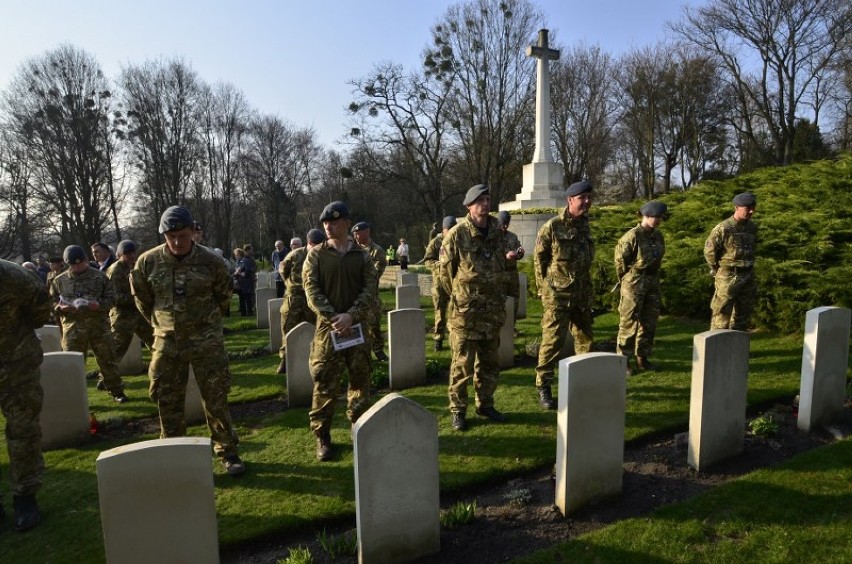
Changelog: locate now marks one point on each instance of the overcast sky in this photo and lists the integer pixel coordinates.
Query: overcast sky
(290, 58)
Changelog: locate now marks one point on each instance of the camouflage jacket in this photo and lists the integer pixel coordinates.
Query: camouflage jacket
(731, 244)
(24, 307)
(290, 270)
(472, 273)
(183, 300)
(511, 243)
(639, 253)
(563, 256)
(432, 256)
(92, 285)
(336, 283)
(377, 255)
(119, 275)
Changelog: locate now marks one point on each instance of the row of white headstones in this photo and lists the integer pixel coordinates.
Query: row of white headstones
(166, 486)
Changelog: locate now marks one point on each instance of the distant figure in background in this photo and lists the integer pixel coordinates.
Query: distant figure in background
(43, 268)
(390, 256)
(402, 254)
(361, 232)
(31, 267)
(294, 306)
(440, 298)
(277, 256)
(245, 274)
(103, 256)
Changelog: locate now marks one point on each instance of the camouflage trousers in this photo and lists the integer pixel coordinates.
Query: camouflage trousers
(327, 366)
(513, 289)
(96, 335)
(639, 310)
(376, 334)
(124, 325)
(294, 310)
(473, 359)
(168, 376)
(20, 402)
(556, 321)
(734, 300)
(440, 301)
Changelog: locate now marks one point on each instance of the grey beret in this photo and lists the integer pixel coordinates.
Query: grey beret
(360, 226)
(334, 210)
(746, 199)
(654, 209)
(474, 193)
(74, 254)
(315, 236)
(126, 246)
(579, 188)
(176, 218)
(448, 222)
(504, 218)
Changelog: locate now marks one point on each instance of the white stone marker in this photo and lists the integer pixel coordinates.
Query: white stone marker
(65, 410)
(522, 299)
(157, 502)
(407, 358)
(408, 297)
(397, 501)
(300, 385)
(825, 356)
(407, 278)
(192, 407)
(131, 363)
(274, 314)
(717, 402)
(264, 280)
(50, 337)
(262, 296)
(506, 350)
(590, 428)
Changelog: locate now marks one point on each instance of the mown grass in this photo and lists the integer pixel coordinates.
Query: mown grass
(285, 489)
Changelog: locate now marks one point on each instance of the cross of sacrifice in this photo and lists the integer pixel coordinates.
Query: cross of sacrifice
(542, 97)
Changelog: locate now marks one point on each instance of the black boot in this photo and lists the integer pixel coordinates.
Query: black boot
(323, 445)
(439, 345)
(645, 364)
(545, 398)
(459, 421)
(27, 515)
(381, 356)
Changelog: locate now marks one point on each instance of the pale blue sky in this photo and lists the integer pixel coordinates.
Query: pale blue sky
(290, 58)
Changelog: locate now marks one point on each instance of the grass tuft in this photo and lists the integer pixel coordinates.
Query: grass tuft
(344, 544)
(459, 514)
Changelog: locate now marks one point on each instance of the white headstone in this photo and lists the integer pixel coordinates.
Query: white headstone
(717, 403)
(397, 501)
(274, 314)
(131, 363)
(50, 337)
(408, 297)
(506, 350)
(193, 409)
(407, 278)
(65, 410)
(825, 358)
(264, 280)
(263, 295)
(522, 300)
(590, 429)
(157, 502)
(300, 385)
(407, 359)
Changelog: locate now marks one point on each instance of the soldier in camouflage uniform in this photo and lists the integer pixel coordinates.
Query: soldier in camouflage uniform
(183, 290)
(82, 297)
(24, 306)
(729, 251)
(563, 259)
(473, 266)
(440, 298)
(294, 307)
(340, 281)
(514, 249)
(638, 256)
(125, 320)
(361, 232)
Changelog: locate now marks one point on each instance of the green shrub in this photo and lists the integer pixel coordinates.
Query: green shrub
(298, 555)
(764, 426)
(457, 515)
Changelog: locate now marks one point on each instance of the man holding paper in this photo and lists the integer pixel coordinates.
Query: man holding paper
(339, 280)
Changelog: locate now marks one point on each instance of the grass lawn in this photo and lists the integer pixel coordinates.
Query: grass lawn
(286, 489)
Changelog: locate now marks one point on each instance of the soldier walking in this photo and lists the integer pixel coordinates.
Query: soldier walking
(125, 319)
(361, 232)
(440, 298)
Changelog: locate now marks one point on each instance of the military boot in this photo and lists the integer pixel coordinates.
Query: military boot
(645, 364)
(27, 515)
(282, 367)
(439, 345)
(381, 356)
(459, 421)
(323, 445)
(545, 398)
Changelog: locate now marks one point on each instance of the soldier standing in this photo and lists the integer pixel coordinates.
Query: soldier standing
(514, 252)
(82, 297)
(26, 307)
(361, 232)
(638, 256)
(183, 290)
(340, 281)
(440, 298)
(729, 251)
(473, 266)
(125, 319)
(563, 259)
(294, 307)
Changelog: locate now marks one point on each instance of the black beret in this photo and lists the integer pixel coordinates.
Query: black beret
(474, 193)
(361, 225)
(74, 254)
(746, 199)
(56, 259)
(315, 236)
(504, 217)
(653, 209)
(448, 222)
(126, 246)
(176, 218)
(579, 188)
(334, 210)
